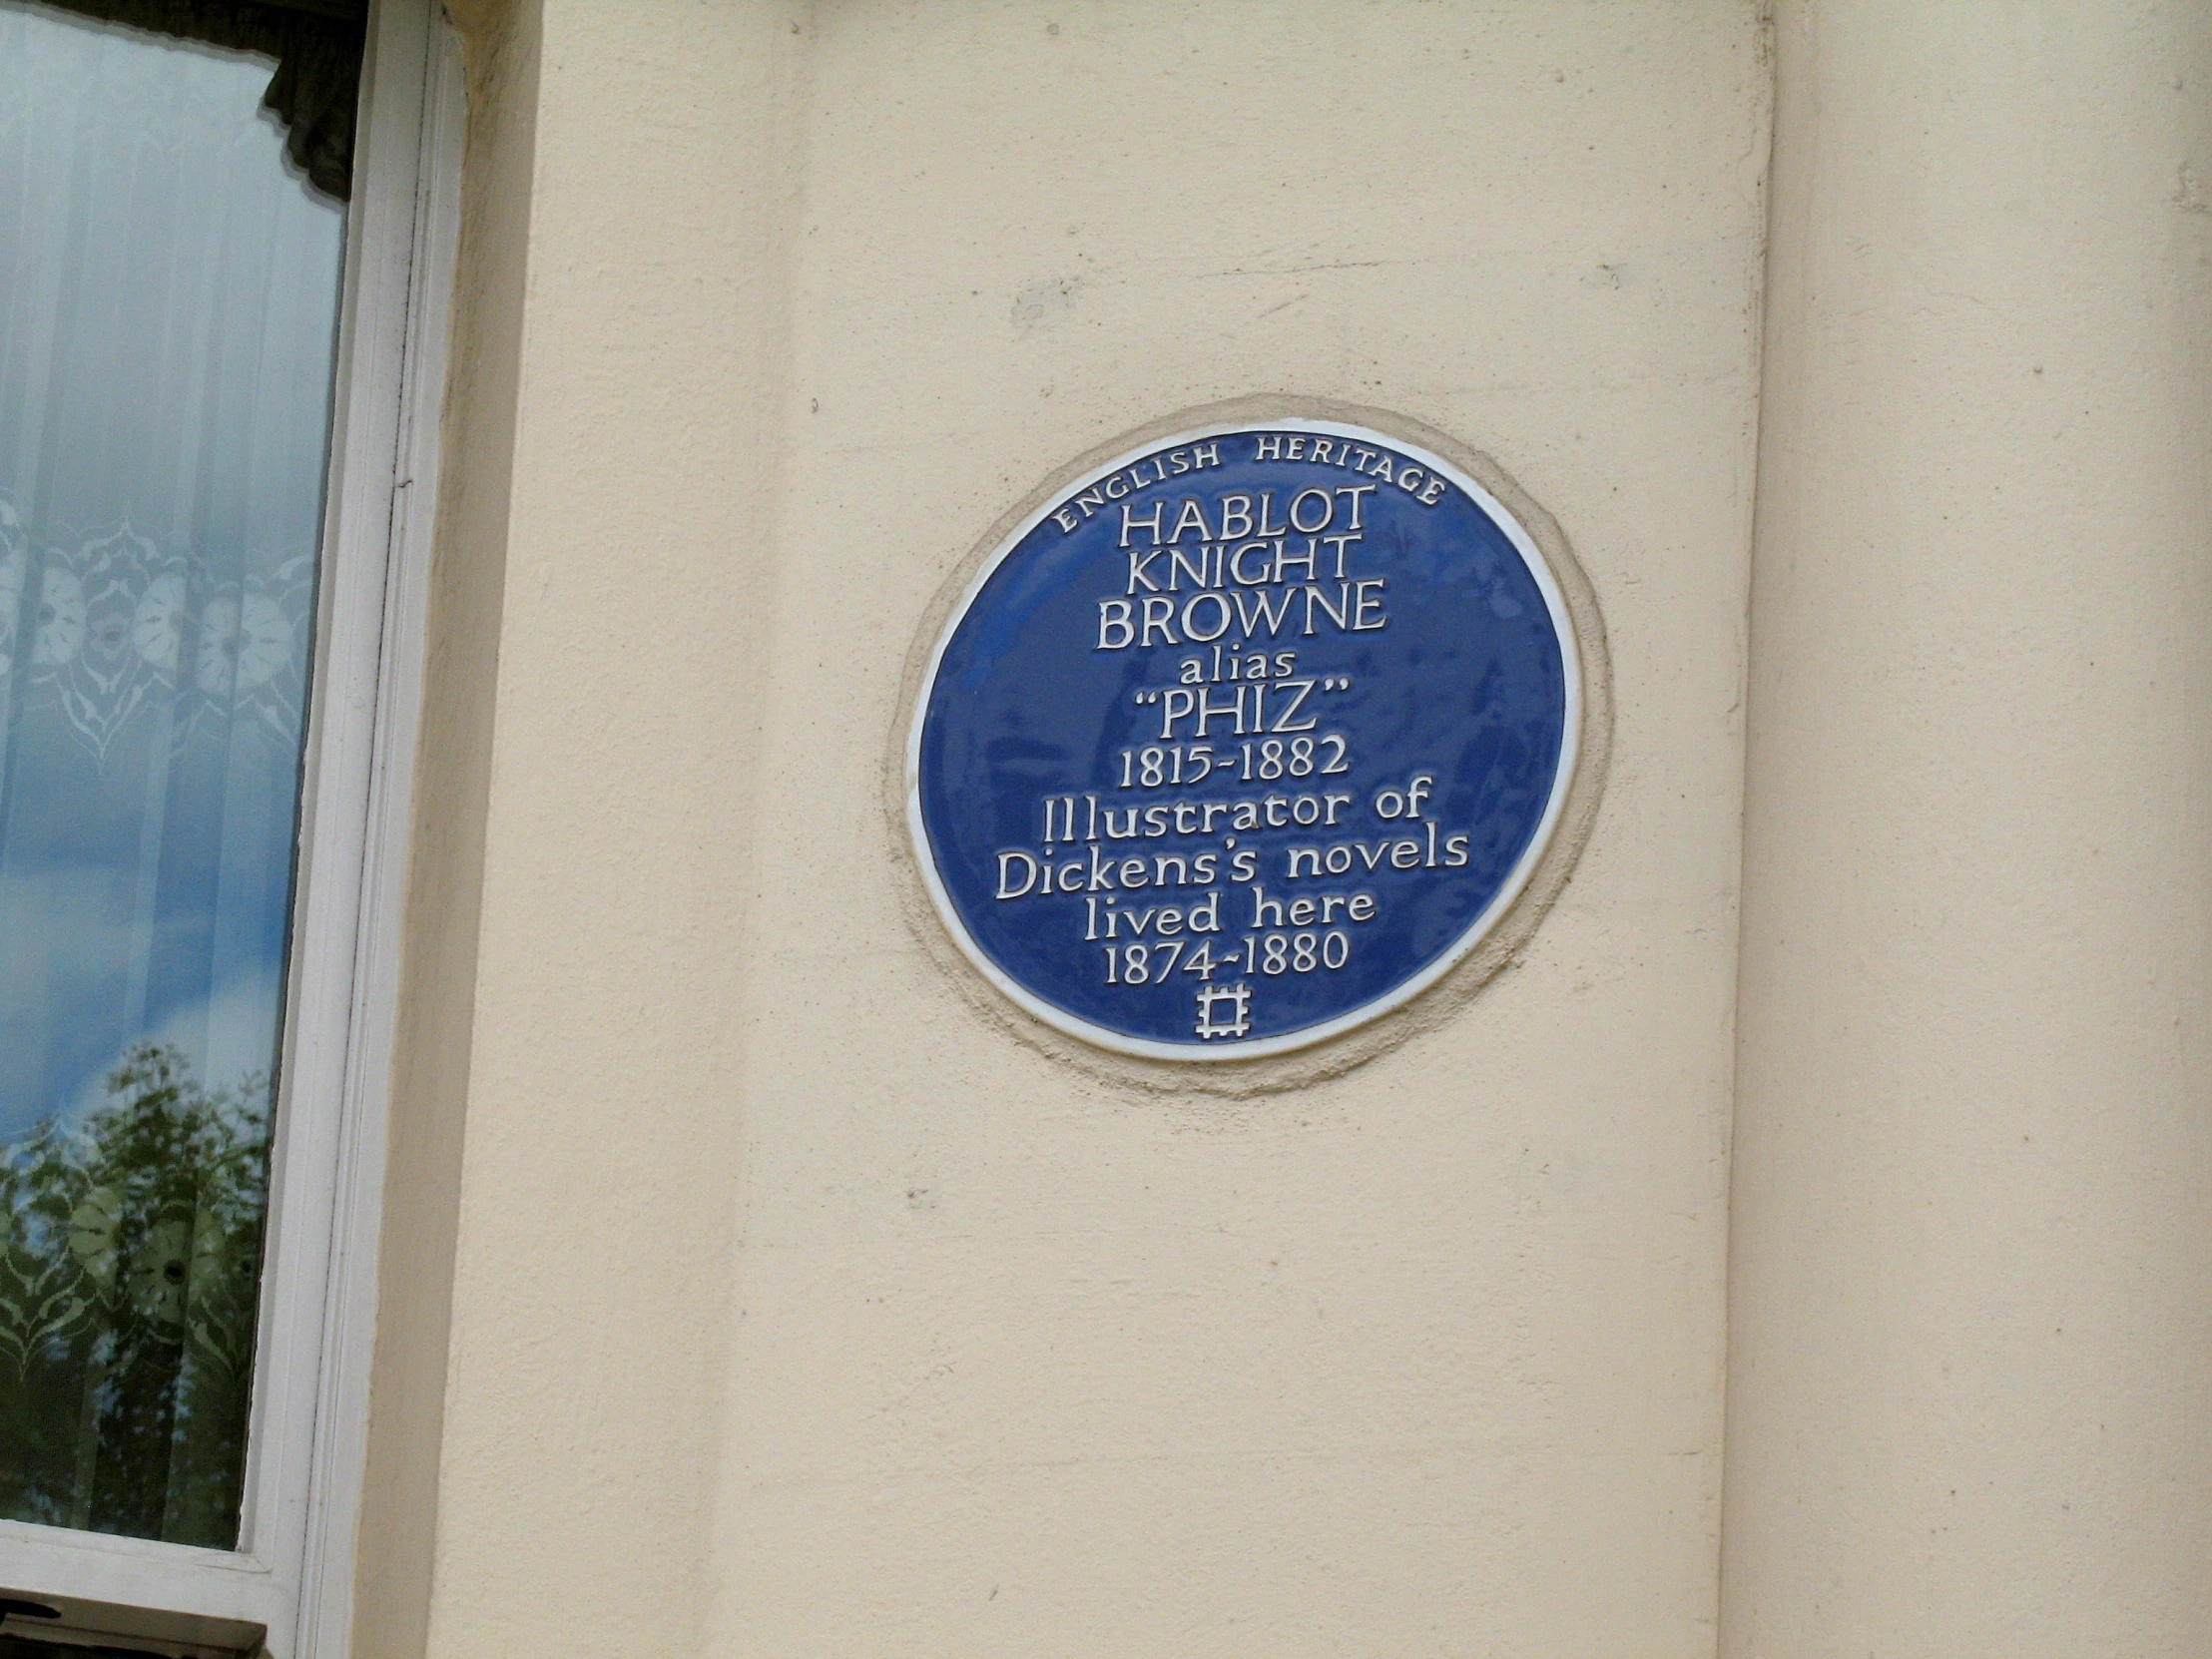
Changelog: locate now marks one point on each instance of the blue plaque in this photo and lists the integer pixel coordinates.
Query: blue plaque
(1243, 738)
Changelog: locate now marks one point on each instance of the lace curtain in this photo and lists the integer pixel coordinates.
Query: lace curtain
(169, 289)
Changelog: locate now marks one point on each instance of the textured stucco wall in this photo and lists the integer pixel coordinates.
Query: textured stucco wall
(430, 1074)
(1425, 1358)
(796, 1308)
(1970, 1388)
(606, 564)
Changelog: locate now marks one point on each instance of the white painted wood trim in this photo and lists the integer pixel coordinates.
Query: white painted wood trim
(341, 1437)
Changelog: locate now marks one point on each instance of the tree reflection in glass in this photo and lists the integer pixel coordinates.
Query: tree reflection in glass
(130, 1253)
(168, 293)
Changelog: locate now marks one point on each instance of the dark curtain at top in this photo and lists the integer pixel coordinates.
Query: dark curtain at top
(318, 47)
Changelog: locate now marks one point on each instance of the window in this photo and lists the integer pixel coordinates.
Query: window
(221, 335)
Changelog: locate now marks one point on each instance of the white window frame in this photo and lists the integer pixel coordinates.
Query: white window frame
(292, 1571)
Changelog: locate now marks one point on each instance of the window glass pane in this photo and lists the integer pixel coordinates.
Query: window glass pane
(169, 292)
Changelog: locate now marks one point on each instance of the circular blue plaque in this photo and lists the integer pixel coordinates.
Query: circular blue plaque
(1242, 738)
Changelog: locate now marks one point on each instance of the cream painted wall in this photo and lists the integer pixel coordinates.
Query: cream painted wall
(605, 573)
(799, 1309)
(1424, 1360)
(795, 1309)
(430, 1094)
(1970, 1390)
